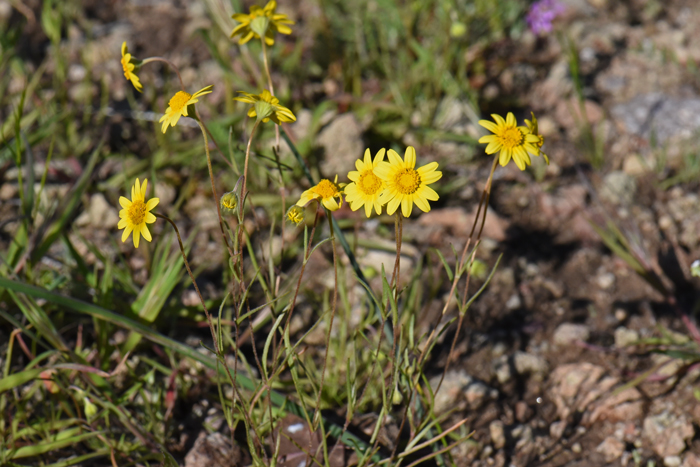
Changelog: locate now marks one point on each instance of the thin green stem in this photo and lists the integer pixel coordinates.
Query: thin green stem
(213, 188)
(272, 88)
(170, 64)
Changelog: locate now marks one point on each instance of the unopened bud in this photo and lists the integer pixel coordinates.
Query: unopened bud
(229, 203)
(295, 215)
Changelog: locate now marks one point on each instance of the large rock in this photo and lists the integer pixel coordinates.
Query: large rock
(342, 143)
(663, 116)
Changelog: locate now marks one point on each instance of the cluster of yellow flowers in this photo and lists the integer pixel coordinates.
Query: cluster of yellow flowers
(375, 183)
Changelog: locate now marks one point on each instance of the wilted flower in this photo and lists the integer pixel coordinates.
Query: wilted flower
(541, 15)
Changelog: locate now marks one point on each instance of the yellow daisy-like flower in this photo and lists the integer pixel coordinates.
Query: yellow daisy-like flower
(177, 107)
(267, 107)
(325, 192)
(136, 213)
(512, 140)
(532, 126)
(130, 64)
(366, 186)
(406, 185)
(261, 21)
(295, 215)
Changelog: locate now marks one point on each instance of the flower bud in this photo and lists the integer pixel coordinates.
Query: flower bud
(90, 408)
(295, 215)
(229, 203)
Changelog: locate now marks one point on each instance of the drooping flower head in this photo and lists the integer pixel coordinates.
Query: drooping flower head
(177, 107)
(541, 15)
(261, 22)
(295, 214)
(366, 186)
(406, 185)
(512, 140)
(266, 107)
(325, 192)
(532, 126)
(136, 213)
(130, 66)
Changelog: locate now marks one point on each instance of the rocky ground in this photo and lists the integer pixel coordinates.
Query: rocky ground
(544, 369)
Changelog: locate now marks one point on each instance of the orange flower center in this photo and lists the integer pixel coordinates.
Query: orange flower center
(407, 181)
(137, 212)
(511, 137)
(326, 189)
(369, 183)
(177, 103)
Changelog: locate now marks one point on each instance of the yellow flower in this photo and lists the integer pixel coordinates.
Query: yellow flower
(177, 107)
(130, 65)
(266, 107)
(261, 21)
(136, 213)
(406, 185)
(295, 215)
(325, 192)
(509, 138)
(366, 186)
(532, 126)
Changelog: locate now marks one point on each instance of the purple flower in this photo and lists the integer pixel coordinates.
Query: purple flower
(541, 15)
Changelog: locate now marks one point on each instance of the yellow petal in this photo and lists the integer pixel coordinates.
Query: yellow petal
(492, 127)
(429, 194)
(493, 147)
(368, 210)
(145, 232)
(125, 203)
(422, 203)
(406, 206)
(393, 205)
(431, 177)
(410, 158)
(394, 158)
(126, 233)
(137, 237)
(510, 119)
(122, 223)
(499, 120)
(379, 157)
(488, 139)
(153, 202)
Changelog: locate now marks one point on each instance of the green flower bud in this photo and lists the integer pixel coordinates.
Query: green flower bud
(90, 408)
(229, 203)
(295, 215)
